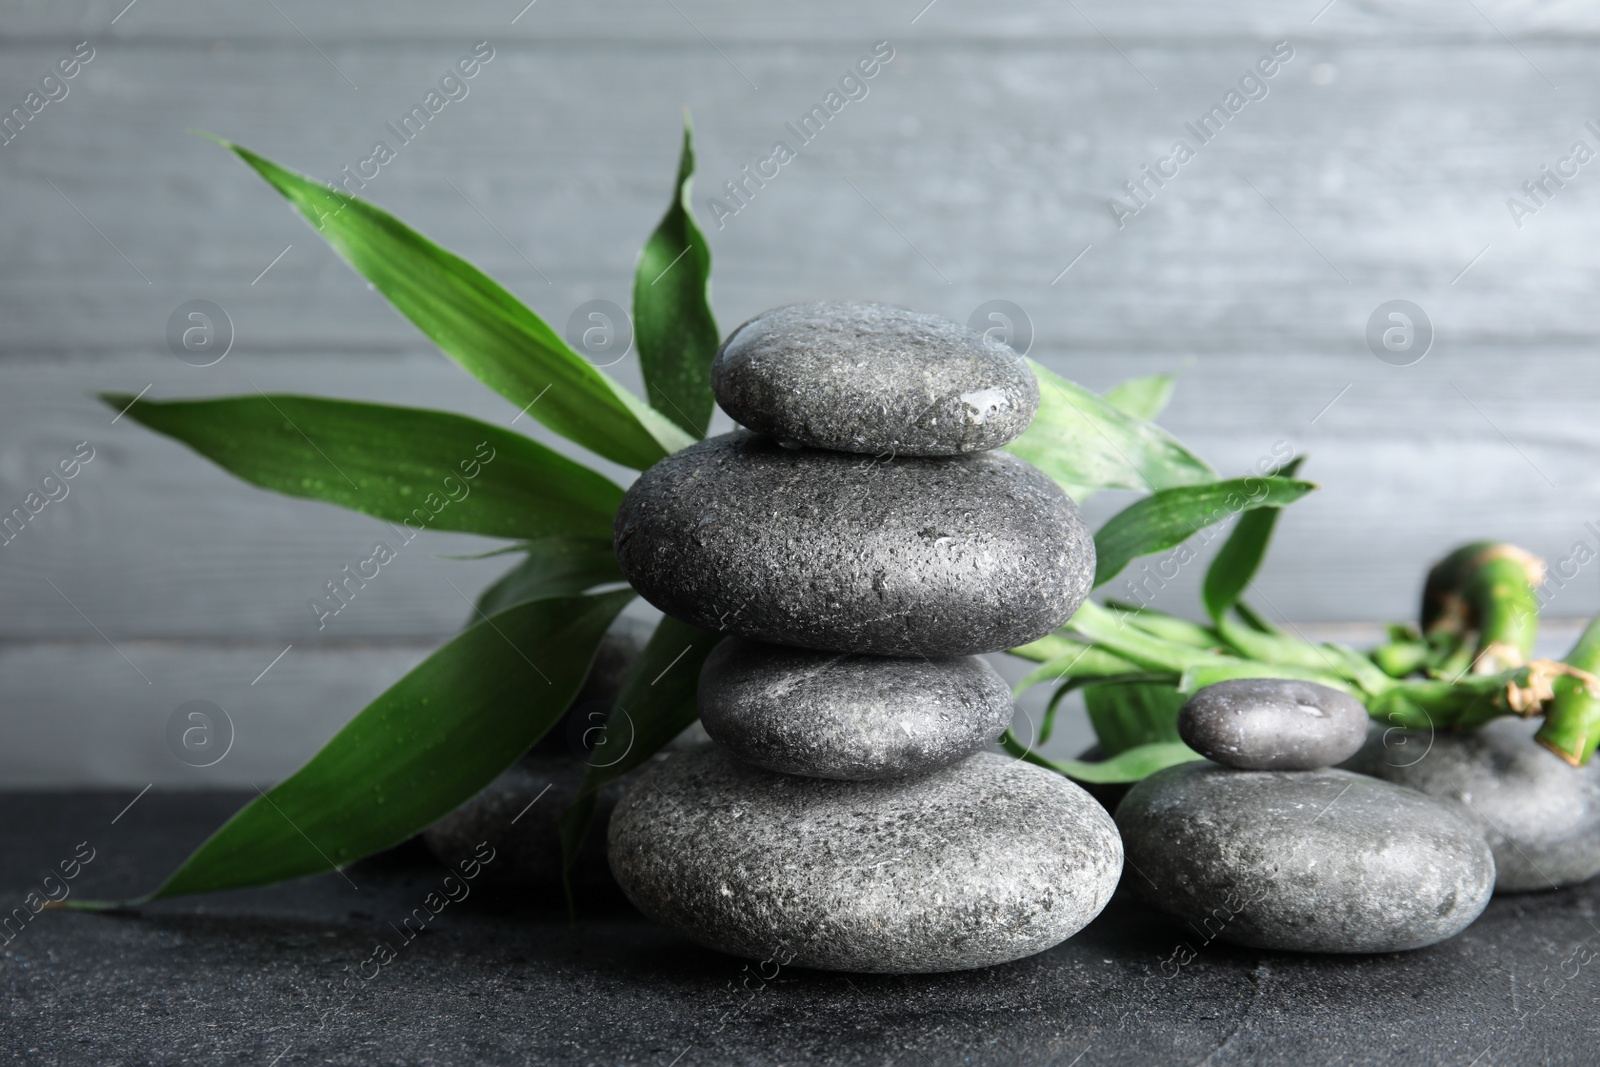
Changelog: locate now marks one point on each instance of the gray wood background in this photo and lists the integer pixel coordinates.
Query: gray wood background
(977, 168)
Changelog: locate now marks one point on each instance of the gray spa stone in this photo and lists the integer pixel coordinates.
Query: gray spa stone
(1307, 861)
(1273, 724)
(982, 862)
(835, 715)
(519, 815)
(1540, 814)
(873, 379)
(899, 557)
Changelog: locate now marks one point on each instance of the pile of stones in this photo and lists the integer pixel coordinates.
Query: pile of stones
(861, 542)
(1266, 844)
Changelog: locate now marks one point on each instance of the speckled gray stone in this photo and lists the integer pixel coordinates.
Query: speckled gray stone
(1273, 724)
(902, 557)
(528, 849)
(982, 862)
(834, 715)
(1309, 861)
(873, 379)
(1540, 814)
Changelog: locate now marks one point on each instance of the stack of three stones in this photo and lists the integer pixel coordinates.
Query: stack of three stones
(861, 542)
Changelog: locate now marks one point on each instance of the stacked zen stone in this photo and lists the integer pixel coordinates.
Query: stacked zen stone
(861, 543)
(1274, 849)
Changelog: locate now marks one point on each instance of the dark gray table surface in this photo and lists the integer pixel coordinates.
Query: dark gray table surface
(274, 976)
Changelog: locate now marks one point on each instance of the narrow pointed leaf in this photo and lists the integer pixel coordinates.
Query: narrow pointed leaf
(656, 704)
(1240, 557)
(672, 321)
(428, 744)
(426, 469)
(479, 324)
(1167, 518)
(1084, 441)
(554, 566)
(1143, 398)
(1126, 715)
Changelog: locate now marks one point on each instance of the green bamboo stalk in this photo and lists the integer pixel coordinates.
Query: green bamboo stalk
(1487, 588)
(1572, 721)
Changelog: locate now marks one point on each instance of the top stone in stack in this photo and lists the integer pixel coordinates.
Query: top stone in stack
(868, 511)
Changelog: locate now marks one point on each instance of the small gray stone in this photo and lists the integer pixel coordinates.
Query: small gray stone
(835, 715)
(1273, 724)
(527, 850)
(899, 557)
(873, 379)
(1540, 814)
(1309, 861)
(982, 862)
(577, 728)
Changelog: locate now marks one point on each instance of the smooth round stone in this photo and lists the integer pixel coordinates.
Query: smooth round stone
(899, 557)
(835, 715)
(873, 379)
(1307, 861)
(1273, 724)
(527, 850)
(982, 862)
(1540, 814)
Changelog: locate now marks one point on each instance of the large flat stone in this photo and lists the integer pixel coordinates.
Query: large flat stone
(984, 862)
(899, 557)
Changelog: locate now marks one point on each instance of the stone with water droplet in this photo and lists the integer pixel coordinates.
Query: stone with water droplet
(1273, 724)
(1306, 861)
(982, 862)
(898, 557)
(834, 715)
(873, 379)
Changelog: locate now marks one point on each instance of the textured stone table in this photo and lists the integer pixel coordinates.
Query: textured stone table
(272, 977)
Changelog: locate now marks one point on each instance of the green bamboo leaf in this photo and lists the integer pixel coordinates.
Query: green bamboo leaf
(428, 744)
(555, 566)
(1134, 765)
(1126, 715)
(672, 321)
(1169, 517)
(1115, 632)
(1084, 441)
(1143, 398)
(479, 324)
(427, 469)
(1241, 554)
(656, 704)
(1075, 660)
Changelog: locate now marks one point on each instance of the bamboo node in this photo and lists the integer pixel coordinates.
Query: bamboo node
(1527, 699)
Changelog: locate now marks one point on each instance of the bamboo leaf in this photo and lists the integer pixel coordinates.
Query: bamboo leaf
(429, 743)
(1169, 517)
(1134, 765)
(1126, 715)
(1143, 398)
(1084, 441)
(479, 324)
(672, 319)
(555, 566)
(656, 704)
(1240, 557)
(427, 469)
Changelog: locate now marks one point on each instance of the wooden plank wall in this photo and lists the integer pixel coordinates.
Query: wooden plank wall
(978, 167)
